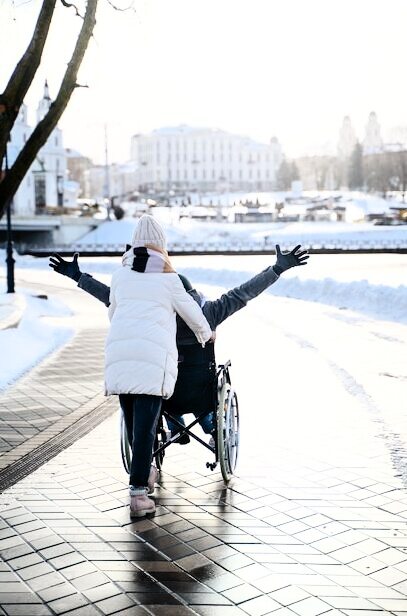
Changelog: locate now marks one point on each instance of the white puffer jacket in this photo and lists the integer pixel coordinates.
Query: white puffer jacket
(141, 353)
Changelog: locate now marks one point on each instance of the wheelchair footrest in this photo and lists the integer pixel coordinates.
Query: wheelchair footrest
(211, 465)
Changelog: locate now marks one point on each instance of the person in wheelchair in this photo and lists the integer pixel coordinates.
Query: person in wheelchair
(194, 392)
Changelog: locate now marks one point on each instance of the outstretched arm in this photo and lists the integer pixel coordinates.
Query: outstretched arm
(235, 299)
(85, 281)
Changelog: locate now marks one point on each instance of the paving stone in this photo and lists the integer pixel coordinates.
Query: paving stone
(21, 610)
(60, 606)
(114, 604)
(56, 592)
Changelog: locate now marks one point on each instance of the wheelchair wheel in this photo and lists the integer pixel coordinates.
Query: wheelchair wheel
(227, 430)
(125, 445)
(160, 439)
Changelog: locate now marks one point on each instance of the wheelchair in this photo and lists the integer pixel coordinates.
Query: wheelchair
(225, 433)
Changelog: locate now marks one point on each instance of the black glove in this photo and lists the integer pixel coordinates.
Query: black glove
(290, 259)
(70, 269)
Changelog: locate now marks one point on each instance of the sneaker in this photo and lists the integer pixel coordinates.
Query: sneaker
(152, 479)
(211, 442)
(181, 440)
(140, 504)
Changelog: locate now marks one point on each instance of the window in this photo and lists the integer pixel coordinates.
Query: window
(203, 174)
(213, 174)
(194, 174)
(56, 140)
(240, 174)
(39, 192)
(185, 174)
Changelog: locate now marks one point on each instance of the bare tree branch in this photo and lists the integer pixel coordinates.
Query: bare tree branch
(44, 128)
(20, 81)
(69, 5)
(118, 8)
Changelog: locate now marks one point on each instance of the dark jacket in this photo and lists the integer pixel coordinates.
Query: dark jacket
(215, 311)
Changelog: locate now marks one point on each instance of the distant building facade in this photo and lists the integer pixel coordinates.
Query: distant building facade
(46, 184)
(77, 166)
(118, 181)
(204, 159)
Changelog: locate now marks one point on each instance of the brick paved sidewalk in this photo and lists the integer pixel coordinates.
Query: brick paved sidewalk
(291, 538)
(61, 390)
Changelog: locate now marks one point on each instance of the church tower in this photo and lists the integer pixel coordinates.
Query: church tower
(50, 165)
(44, 104)
(347, 139)
(372, 142)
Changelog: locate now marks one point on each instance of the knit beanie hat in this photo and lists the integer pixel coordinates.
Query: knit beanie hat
(149, 231)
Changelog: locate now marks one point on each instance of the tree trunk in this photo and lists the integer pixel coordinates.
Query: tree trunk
(44, 128)
(23, 74)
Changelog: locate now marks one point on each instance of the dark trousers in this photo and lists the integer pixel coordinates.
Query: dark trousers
(141, 413)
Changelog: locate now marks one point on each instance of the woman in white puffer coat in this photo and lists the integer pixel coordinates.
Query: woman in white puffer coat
(141, 353)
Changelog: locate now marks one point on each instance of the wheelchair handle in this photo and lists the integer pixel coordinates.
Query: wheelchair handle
(226, 365)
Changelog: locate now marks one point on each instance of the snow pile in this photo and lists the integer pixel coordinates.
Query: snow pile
(376, 300)
(121, 232)
(218, 235)
(11, 308)
(26, 345)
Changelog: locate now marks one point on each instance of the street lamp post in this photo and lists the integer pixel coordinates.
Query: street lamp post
(9, 250)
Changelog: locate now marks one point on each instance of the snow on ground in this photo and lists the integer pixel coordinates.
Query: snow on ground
(227, 235)
(360, 203)
(374, 284)
(11, 307)
(33, 339)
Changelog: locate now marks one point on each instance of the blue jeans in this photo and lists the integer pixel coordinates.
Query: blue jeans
(206, 423)
(141, 413)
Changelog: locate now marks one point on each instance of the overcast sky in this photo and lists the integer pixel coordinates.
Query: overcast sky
(290, 68)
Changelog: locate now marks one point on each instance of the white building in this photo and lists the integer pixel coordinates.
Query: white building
(46, 184)
(204, 159)
(118, 181)
(23, 201)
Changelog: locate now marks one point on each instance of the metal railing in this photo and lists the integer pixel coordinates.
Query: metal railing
(235, 247)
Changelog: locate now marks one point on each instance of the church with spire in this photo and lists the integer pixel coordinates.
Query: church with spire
(46, 186)
(372, 141)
